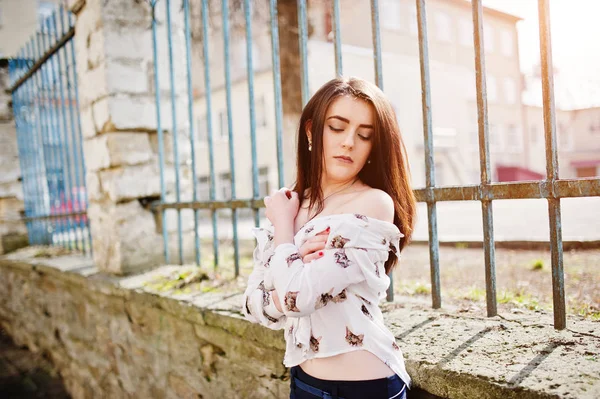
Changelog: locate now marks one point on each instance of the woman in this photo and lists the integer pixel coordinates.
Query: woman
(320, 271)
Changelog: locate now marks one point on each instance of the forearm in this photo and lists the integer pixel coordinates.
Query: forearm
(284, 233)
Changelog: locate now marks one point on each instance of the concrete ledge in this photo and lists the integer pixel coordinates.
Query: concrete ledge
(108, 334)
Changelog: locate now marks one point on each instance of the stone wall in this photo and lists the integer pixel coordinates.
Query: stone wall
(114, 341)
(174, 333)
(13, 233)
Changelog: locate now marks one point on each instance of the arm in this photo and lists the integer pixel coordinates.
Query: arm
(307, 287)
(258, 302)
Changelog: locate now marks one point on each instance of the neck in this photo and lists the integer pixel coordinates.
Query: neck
(330, 187)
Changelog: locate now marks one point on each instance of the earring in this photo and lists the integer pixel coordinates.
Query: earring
(369, 161)
(310, 146)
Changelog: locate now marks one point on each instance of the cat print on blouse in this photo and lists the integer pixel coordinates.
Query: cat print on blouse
(353, 339)
(363, 299)
(292, 258)
(269, 317)
(361, 217)
(290, 301)
(395, 346)
(268, 262)
(339, 242)
(309, 230)
(314, 343)
(341, 258)
(365, 311)
(324, 299)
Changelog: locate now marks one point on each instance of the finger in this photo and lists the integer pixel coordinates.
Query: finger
(324, 232)
(267, 199)
(311, 247)
(314, 256)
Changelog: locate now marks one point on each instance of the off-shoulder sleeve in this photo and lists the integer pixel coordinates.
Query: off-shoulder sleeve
(307, 287)
(258, 303)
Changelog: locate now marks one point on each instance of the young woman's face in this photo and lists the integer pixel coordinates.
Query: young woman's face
(347, 137)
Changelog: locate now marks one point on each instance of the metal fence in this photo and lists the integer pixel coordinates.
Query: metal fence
(551, 189)
(45, 104)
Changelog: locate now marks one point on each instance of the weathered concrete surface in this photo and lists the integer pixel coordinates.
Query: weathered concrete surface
(151, 336)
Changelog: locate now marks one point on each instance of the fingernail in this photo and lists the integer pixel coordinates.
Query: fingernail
(320, 253)
(328, 229)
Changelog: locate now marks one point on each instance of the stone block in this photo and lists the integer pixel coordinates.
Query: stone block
(130, 182)
(95, 47)
(117, 149)
(126, 42)
(101, 115)
(94, 190)
(135, 14)
(11, 189)
(124, 237)
(130, 77)
(86, 116)
(92, 85)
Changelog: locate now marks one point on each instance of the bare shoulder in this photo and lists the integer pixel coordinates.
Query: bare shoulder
(376, 204)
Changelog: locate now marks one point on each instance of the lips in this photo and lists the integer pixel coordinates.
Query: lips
(344, 159)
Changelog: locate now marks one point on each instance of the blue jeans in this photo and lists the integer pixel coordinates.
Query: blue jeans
(304, 386)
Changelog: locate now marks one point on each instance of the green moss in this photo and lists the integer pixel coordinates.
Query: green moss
(538, 265)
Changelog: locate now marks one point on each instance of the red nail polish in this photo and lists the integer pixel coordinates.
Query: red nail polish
(328, 229)
(320, 253)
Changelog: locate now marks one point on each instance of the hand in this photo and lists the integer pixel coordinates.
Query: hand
(282, 207)
(276, 301)
(313, 247)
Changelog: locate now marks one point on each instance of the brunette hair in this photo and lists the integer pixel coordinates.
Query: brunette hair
(388, 169)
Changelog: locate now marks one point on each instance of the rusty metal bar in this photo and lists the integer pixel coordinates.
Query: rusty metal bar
(42, 60)
(554, 212)
(513, 190)
(434, 245)
(376, 43)
(484, 159)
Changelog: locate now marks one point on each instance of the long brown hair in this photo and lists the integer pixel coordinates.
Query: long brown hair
(388, 170)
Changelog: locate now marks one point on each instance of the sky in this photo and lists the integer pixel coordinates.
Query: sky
(575, 30)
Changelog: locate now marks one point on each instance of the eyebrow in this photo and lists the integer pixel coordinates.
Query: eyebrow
(348, 121)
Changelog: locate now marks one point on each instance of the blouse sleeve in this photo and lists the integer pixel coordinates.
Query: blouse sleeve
(305, 288)
(258, 304)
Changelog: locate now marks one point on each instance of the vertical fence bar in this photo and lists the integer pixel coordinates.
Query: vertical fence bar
(36, 149)
(78, 161)
(379, 82)
(234, 212)
(79, 136)
(484, 159)
(277, 90)
(554, 210)
(434, 245)
(72, 138)
(159, 132)
(303, 26)
(59, 161)
(52, 160)
(63, 139)
(250, 72)
(174, 132)
(337, 37)
(188, 63)
(22, 127)
(208, 96)
(376, 43)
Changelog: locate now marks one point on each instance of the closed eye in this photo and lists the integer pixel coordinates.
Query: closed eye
(364, 137)
(335, 130)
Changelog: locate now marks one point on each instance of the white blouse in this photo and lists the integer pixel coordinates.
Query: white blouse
(330, 305)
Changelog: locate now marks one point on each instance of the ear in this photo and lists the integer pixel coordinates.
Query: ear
(308, 130)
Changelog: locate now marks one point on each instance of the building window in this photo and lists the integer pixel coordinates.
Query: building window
(488, 37)
(224, 186)
(261, 112)
(510, 90)
(465, 32)
(242, 54)
(492, 89)
(513, 138)
(443, 27)
(202, 129)
(564, 137)
(506, 39)
(496, 140)
(413, 23)
(263, 182)
(534, 135)
(203, 188)
(390, 17)
(223, 128)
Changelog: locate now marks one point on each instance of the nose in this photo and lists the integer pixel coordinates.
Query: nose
(348, 141)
